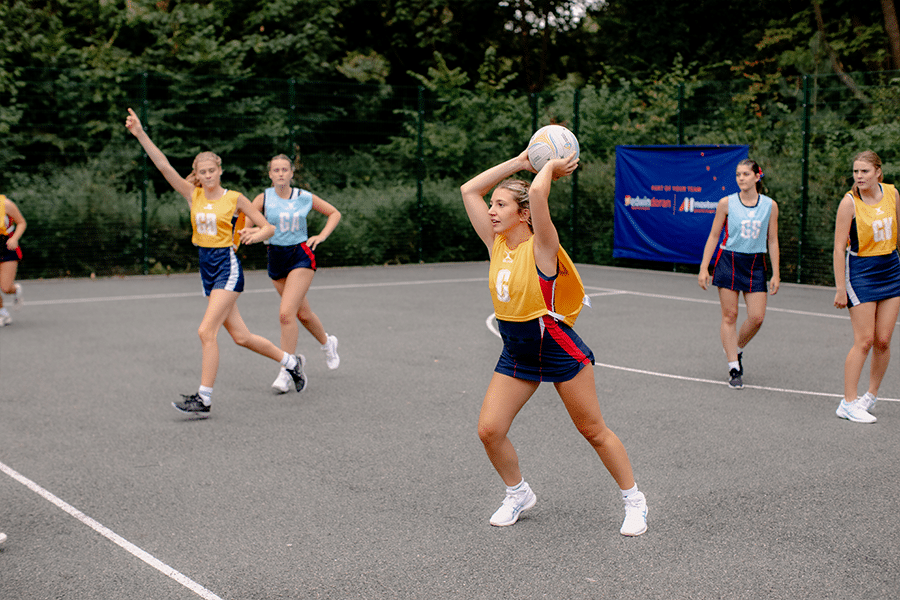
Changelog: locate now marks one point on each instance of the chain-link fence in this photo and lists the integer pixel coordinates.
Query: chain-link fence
(391, 159)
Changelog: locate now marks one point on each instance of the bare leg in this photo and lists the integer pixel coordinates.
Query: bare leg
(504, 399)
(728, 329)
(886, 312)
(579, 395)
(218, 307)
(756, 312)
(8, 278)
(862, 318)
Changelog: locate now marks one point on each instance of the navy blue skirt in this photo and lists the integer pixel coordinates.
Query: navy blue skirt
(740, 272)
(542, 349)
(220, 269)
(284, 259)
(872, 278)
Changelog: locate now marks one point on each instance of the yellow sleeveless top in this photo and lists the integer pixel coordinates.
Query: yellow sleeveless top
(2, 214)
(876, 229)
(214, 222)
(517, 290)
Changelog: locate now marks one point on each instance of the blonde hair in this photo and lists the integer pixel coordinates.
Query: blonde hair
(519, 190)
(203, 156)
(868, 156)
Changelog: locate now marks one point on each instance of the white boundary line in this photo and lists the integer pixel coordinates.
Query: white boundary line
(199, 292)
(112, 536)
(489, 323)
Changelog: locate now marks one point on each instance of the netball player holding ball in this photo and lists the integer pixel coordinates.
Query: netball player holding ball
(537, 294)
(214, 212)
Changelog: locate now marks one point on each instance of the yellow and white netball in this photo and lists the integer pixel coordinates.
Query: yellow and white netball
(549, 142)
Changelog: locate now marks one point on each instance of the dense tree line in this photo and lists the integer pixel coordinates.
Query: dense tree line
(414, 96)
(524, 45)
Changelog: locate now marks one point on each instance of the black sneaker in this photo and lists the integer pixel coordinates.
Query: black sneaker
(736, 381)
(740, 364)
(192, 405)
(297, 373)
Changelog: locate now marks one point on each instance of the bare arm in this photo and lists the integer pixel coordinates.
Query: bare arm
(546, 237)
(16, 215)
(842, 223)
(178, 183)
(474, 191)
(334, 217)
(774, 251)
(714, 232)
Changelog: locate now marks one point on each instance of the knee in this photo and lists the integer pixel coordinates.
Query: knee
(597, 434)
(285, 319)
(490, 433)
(242, 339)
(864, 344)
(729, 317)
(755, 321)
(305, 315)
(882, 345)
(207, 336)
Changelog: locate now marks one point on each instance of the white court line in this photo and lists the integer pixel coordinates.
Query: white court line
(489, 322)
(612, 292)
(112, 536)
(199, 292)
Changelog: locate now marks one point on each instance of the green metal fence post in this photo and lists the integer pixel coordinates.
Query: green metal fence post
(292, 119)
(420, 164)
(576, 113)
(804, 174)
(145, 234)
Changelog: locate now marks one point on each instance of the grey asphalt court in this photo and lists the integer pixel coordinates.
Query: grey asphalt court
(372, 484)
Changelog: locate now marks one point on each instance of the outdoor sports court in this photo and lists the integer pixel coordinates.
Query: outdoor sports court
(373, 483)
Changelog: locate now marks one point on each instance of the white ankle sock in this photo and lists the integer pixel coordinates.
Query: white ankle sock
(205, 395)
(628, 493)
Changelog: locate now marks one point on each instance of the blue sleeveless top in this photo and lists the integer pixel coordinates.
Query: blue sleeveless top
(288, 216)
(748, 227)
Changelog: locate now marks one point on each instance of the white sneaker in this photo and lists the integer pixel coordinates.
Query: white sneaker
(513, 506)
(635, 522)
(17, 299)
(282, 383)
(330, 349)
(2, 539)
(854, 411)
(867, 401)
(5, 319)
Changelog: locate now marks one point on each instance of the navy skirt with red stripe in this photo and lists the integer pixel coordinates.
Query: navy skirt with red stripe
(740, 272)
(284, 259)
(542, 349)
(7, 255)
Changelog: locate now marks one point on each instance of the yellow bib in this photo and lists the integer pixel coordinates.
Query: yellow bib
(876, 227)
(516, 288)
(214, 224)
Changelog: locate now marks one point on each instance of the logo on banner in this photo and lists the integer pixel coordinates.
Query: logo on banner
(697, 206)
(645, 203)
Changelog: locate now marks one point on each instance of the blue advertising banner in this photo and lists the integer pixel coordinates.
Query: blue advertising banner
(666, 198)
